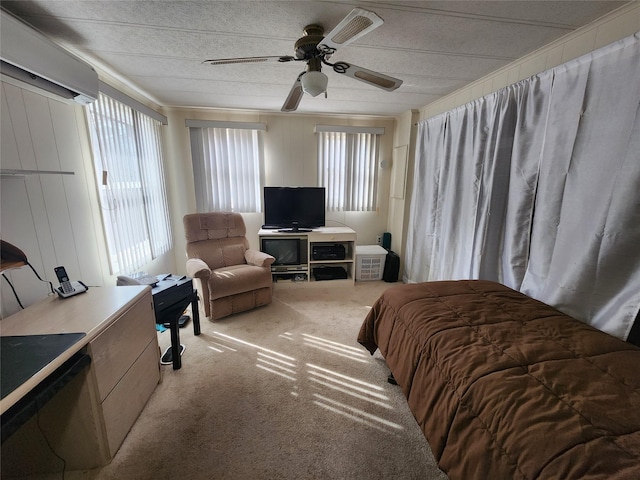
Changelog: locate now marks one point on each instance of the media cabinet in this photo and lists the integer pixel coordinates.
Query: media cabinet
(342, 237)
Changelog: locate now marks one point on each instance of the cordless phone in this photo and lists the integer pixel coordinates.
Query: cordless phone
(67, 288)
(63, 278)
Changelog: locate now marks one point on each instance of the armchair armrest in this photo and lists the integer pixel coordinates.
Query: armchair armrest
(259, 259)
(196, 268)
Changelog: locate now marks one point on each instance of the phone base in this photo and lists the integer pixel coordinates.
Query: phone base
(78, 287)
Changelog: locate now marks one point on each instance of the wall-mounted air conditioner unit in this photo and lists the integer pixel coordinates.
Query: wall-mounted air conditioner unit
(29, 56)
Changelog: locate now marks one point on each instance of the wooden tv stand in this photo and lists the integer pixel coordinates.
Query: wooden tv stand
(344, 236)
(87, 420)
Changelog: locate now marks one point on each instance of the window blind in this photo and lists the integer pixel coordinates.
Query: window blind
(228, 166)
(127, 155)
(347, 167)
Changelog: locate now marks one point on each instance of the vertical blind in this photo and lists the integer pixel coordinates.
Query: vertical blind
(127, 156)
(348, 168)
(228, 166)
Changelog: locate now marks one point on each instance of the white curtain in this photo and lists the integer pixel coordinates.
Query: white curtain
(228, 165)
(537, 186)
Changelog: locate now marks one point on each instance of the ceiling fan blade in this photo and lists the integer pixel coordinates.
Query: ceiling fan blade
(225, 61)
(295, 95)
(357, 23)
(365, 75)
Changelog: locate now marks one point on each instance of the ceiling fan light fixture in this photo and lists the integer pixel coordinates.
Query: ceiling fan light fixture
(314, 83)
(315, 49)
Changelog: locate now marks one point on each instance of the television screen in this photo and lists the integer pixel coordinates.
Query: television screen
(294, 208)
(285, 250)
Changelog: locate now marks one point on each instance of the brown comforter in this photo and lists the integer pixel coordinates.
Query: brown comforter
(506, 387)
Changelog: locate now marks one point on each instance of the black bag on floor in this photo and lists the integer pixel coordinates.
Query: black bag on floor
(391, 267)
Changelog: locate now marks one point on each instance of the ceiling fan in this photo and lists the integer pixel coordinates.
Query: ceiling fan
(316, 49)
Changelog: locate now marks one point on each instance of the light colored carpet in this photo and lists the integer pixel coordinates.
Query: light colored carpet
(281, 392)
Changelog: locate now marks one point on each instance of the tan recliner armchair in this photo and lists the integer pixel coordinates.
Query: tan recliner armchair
(229, 277)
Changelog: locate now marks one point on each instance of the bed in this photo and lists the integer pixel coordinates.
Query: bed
(506, 387)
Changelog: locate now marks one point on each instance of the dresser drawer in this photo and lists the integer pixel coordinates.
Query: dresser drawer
(117, 348)
(123, 405)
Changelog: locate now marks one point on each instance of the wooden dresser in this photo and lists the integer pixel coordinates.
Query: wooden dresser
(88, 419)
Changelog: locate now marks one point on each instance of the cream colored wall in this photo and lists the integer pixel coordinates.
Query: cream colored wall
(54, 219)
(290, 160)
(399, 203)
(616, 25)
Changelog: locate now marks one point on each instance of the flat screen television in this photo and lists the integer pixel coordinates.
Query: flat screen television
(294, 209)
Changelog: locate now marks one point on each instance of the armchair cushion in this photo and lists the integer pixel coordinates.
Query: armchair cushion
(219, 253)
(227, 281)
(197, 268)
(259, 259)
(213, 226)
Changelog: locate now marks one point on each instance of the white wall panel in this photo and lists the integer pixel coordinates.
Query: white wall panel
(554, 58)
(68, 128)
(609, 32)
(50, 217)
(8, 146)
(24, 217)
(579, 45)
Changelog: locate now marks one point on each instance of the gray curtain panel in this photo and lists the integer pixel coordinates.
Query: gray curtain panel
(537, 186)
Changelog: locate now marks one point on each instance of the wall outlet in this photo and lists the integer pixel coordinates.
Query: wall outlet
(379, 239)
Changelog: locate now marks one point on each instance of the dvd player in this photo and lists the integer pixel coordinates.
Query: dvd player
(328, 252)
(288, 268)
(329, 273)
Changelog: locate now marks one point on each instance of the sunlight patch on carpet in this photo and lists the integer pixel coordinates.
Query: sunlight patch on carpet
(282, 362)
(355, 413)
(271, 370)
(253, 345)
(335, 348)
(348, 385)
(370, 386)
(277, 366)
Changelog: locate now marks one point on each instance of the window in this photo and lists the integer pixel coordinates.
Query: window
(127, 156)
(348, 166)
(228, 165)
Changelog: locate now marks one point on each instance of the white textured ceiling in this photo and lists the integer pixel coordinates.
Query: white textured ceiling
(434, 47)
